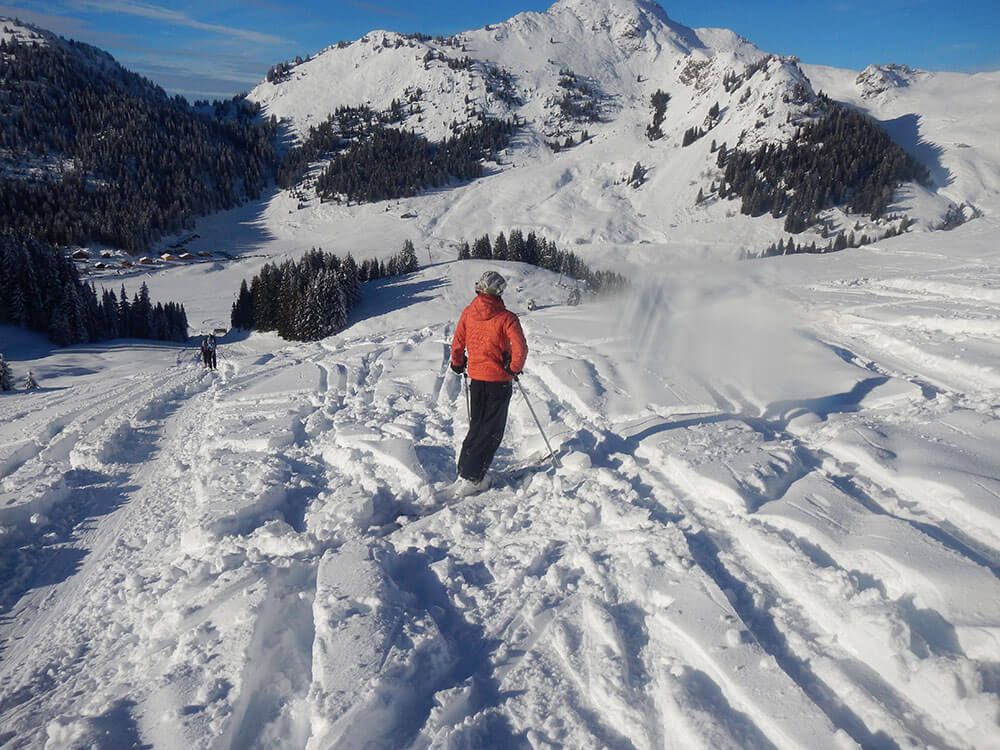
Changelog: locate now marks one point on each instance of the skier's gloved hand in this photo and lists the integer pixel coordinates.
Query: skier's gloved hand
(458, 369)
(505, 361)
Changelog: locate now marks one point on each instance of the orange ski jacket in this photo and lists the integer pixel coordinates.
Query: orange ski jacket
(487, 331)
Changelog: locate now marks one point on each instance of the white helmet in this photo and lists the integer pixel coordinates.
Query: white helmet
(491, 283)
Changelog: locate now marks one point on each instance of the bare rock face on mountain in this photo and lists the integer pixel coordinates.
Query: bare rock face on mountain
(877, 79)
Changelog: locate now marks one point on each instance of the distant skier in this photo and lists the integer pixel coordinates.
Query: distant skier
(489, 341)
(208, 355)
(574, 297)
(531, 305)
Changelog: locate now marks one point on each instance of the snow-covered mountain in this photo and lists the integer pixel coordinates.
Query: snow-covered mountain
(947, 120)
(617, 54)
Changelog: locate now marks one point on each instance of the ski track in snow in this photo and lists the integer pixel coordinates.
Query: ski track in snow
(269, 556)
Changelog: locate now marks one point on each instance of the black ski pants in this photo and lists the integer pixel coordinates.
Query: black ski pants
(487, 421)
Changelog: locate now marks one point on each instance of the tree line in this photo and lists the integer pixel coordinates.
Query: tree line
(311, 298)
(841, 241)
(841, 159)
(94, 153)
(538, 251)
(385, 162)
(41, 290)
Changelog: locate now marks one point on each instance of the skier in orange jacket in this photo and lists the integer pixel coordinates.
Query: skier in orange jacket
(489, 342)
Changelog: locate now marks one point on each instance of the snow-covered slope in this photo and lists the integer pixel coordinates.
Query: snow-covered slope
(947, 120)
(775, 525)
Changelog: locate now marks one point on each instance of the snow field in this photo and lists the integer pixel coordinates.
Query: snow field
(777, 520)
(764, 533)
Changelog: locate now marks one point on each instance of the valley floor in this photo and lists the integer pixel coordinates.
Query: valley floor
(776, 524)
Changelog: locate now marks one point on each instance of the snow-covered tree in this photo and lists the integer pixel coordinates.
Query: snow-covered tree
(638, 175)
(29, 383)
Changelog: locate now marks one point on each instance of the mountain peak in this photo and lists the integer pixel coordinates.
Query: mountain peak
(603, 10)
(604, 6)
(627, 20)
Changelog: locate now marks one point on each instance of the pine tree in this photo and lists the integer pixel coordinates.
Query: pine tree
(242, 314)
(142, 313)
(515, 245)
(125, 316)
(349, 281)
(6, 376)
(408, 258)
(59, 328)
(500, 249)
(29, 383)
(530, 253)
(482, 249)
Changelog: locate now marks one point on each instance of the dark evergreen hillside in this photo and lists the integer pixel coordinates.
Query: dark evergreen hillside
(92, 152)
(334, 135)
(386, 163)
(40, 289)
(842, 159)
(538, 251)
(311, 298)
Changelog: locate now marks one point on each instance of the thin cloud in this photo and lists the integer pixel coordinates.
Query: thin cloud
(176, 18)
(65, 26)
(57, 24)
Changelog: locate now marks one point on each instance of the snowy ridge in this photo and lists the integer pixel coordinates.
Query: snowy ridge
(11, 30)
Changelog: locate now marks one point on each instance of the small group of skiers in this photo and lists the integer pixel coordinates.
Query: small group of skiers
(208, 353)
(489, 346)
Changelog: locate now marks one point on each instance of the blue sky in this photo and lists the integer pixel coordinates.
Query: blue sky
(216, 48)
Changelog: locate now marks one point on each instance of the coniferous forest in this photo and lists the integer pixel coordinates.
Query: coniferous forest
(538, 251)
(370, 160)
(311, 298)
(94, 153)
(41, 290)
(842, 159)
(386, 162)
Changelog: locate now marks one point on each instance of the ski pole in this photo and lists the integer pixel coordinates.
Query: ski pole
(555, 458)
(468, 403)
